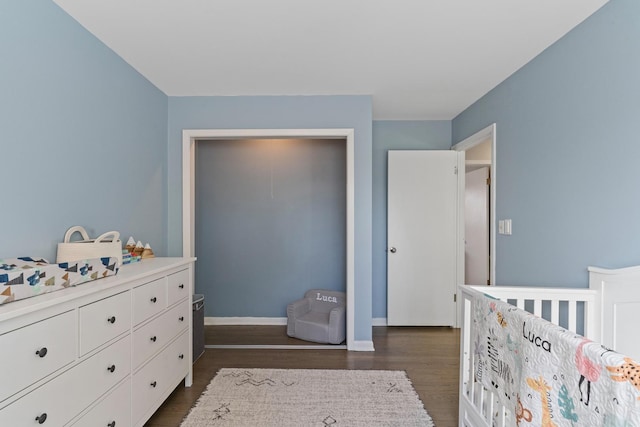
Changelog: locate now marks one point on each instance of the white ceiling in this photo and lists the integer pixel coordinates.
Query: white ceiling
(419, 59)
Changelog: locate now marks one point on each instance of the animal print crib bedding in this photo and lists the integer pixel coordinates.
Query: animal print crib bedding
(549, 376)
(27, 277)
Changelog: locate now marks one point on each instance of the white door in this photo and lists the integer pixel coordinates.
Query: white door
(421, 236)
(476, 227)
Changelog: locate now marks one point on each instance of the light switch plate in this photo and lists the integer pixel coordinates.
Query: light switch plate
(501, 226)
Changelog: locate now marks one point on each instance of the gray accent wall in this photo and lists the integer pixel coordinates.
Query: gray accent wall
(568, 147)
(82, 136)
(395, 135)
(270, 223)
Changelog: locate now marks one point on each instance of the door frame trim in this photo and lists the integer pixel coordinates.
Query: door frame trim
(189, 139)
(487, 133)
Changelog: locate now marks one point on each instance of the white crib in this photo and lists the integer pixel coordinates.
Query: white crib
(606, 312)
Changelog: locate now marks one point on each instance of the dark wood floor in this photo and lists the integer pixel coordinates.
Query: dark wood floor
(253, 335)
(428, 355)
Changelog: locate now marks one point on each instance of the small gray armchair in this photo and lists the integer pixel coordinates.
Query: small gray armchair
(319, 317)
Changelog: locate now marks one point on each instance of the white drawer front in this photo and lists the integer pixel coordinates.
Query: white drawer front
(104, 320)
(149, 299)
(53, 339)
(115, 408)
(71, 392)
(178, 286)
(156, 334)
(161, 373)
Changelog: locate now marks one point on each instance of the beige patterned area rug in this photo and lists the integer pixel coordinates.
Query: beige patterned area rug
(308, 397)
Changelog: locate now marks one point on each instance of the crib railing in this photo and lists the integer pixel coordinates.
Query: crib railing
(573, 309)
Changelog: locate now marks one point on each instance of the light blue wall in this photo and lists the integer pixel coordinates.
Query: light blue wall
(395, 135)
(270, 220)
(567, 153)
(82, 135)
(283, 112)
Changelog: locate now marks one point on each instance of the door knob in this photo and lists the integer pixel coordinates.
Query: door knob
(392, 250)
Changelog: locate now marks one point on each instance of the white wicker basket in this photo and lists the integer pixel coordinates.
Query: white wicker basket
(106, 245)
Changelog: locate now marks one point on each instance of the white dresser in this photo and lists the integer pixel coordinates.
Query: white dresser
(103, 354)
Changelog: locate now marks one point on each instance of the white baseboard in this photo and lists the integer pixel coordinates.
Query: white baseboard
(281, 347)
(245, 321)
(362, 346)
(379, 321)
(376, 321)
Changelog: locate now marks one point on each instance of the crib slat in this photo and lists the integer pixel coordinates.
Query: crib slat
(520, 303)
(537, 307)
(502, 418)
(590, 330)
(471, 384)
(555, 311)
(572, 316)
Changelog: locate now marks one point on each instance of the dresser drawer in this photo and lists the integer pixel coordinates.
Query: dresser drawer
(104, 320)
(161, 373)
(178, 286)
(115, 408)
(156, 334)
(62, 398)
(35, 351)
(149, 299)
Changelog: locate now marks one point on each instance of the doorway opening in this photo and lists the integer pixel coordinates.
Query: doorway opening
(191, 139)
(480, 158)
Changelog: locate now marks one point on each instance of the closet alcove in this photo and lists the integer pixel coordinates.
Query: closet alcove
(270, 223)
